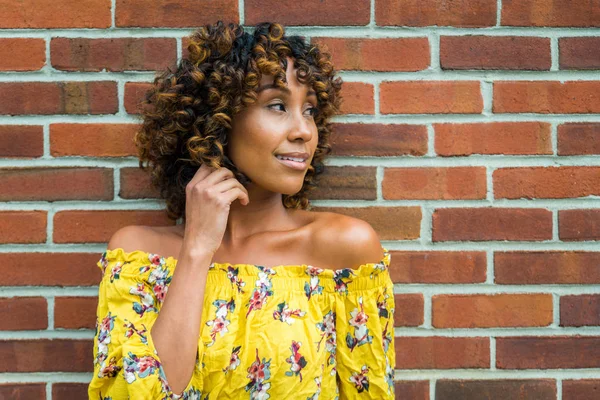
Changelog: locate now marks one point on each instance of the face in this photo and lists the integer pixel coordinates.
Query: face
(279, 122)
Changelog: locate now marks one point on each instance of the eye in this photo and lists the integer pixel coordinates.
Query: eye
(313, 110)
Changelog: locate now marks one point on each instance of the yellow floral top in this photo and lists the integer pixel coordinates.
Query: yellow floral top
(285, 332)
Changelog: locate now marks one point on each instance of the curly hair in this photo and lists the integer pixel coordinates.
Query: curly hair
(187, 113)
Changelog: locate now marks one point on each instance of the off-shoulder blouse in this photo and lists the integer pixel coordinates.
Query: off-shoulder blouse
(284, 332)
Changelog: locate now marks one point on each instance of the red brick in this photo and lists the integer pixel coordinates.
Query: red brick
(438, 267)
(93, 140)
(463, 13)
(580, 310)
(491, 223)
(430, 97)
(408, 310)
(75, 312)
(49, 269)
(546, 97)
(23, 391)
(31, 14)
(135, 184)
(53, 184)
(385, 54)
(166, 14)
(384, 219)
(553, 267)
(23, 313)
(412, 390)
(354, 139)
(553, 13)
(69, 391)
(576, 225)
(114, 54)
(490, 311)
(336, 12)
(46, 355)
(21, 141)
(358, 98)
(434, 352)
(495, 52)
(505, 138)
(97, 226)
(135, 93)
(578, 138)
(501, 389)
(435, 183)
(580, 389)
(579, 53)
(546, 182)
(346, 183)
(23, 226)
(22, 54)
(548, 352)
(46, 98)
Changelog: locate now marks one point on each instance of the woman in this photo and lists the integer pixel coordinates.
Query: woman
(244, 118)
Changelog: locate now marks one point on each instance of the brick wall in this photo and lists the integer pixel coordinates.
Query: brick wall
(470, 140)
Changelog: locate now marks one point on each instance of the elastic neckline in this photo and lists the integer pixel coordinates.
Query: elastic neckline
(282, 270)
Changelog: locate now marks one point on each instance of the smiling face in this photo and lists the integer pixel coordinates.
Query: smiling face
(279, 122)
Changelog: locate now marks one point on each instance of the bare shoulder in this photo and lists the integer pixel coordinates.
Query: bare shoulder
(350, 241)
(138, 237)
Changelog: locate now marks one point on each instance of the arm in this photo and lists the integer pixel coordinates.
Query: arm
(365, 318)
(175, 331)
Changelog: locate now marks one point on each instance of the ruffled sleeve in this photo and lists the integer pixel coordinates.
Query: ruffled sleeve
(365, 351)
(126, 362)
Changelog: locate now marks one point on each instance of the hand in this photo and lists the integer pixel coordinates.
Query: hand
(208, 199)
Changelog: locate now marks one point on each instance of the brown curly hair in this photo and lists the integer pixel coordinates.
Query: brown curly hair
(187, 114)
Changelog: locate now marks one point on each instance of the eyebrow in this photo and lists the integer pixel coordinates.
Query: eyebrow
(284, 89)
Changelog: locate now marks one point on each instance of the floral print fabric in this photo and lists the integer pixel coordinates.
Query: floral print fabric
(285, 332)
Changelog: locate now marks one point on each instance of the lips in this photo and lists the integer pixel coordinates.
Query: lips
(301, 166)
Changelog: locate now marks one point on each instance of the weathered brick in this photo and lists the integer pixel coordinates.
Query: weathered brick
(505, 138)
(46, 355)
(491, 223)
(97, 226)
(500, 389)
(53, 184)
(546, 97)
(579, 224)
(435, 352)
(553, 13)
(166, 14)
(430, 97)
(488, 311)
(32, 14)
(46, 98)
(495, 52)
(542, 267)
(23, 313)
(463, 13)
(548, 352)
(580, 310)
(337, 12)
(578, 138)
(381, 54)
(435, 183)
(115, 54)
(93, 140)
(438, 267)
(21, 141)
(23, 226)
(22, 54)
(546, 182)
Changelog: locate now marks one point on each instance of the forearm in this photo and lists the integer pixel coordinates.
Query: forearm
(177, 328)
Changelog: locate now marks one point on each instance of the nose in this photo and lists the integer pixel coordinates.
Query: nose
(302, 126)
